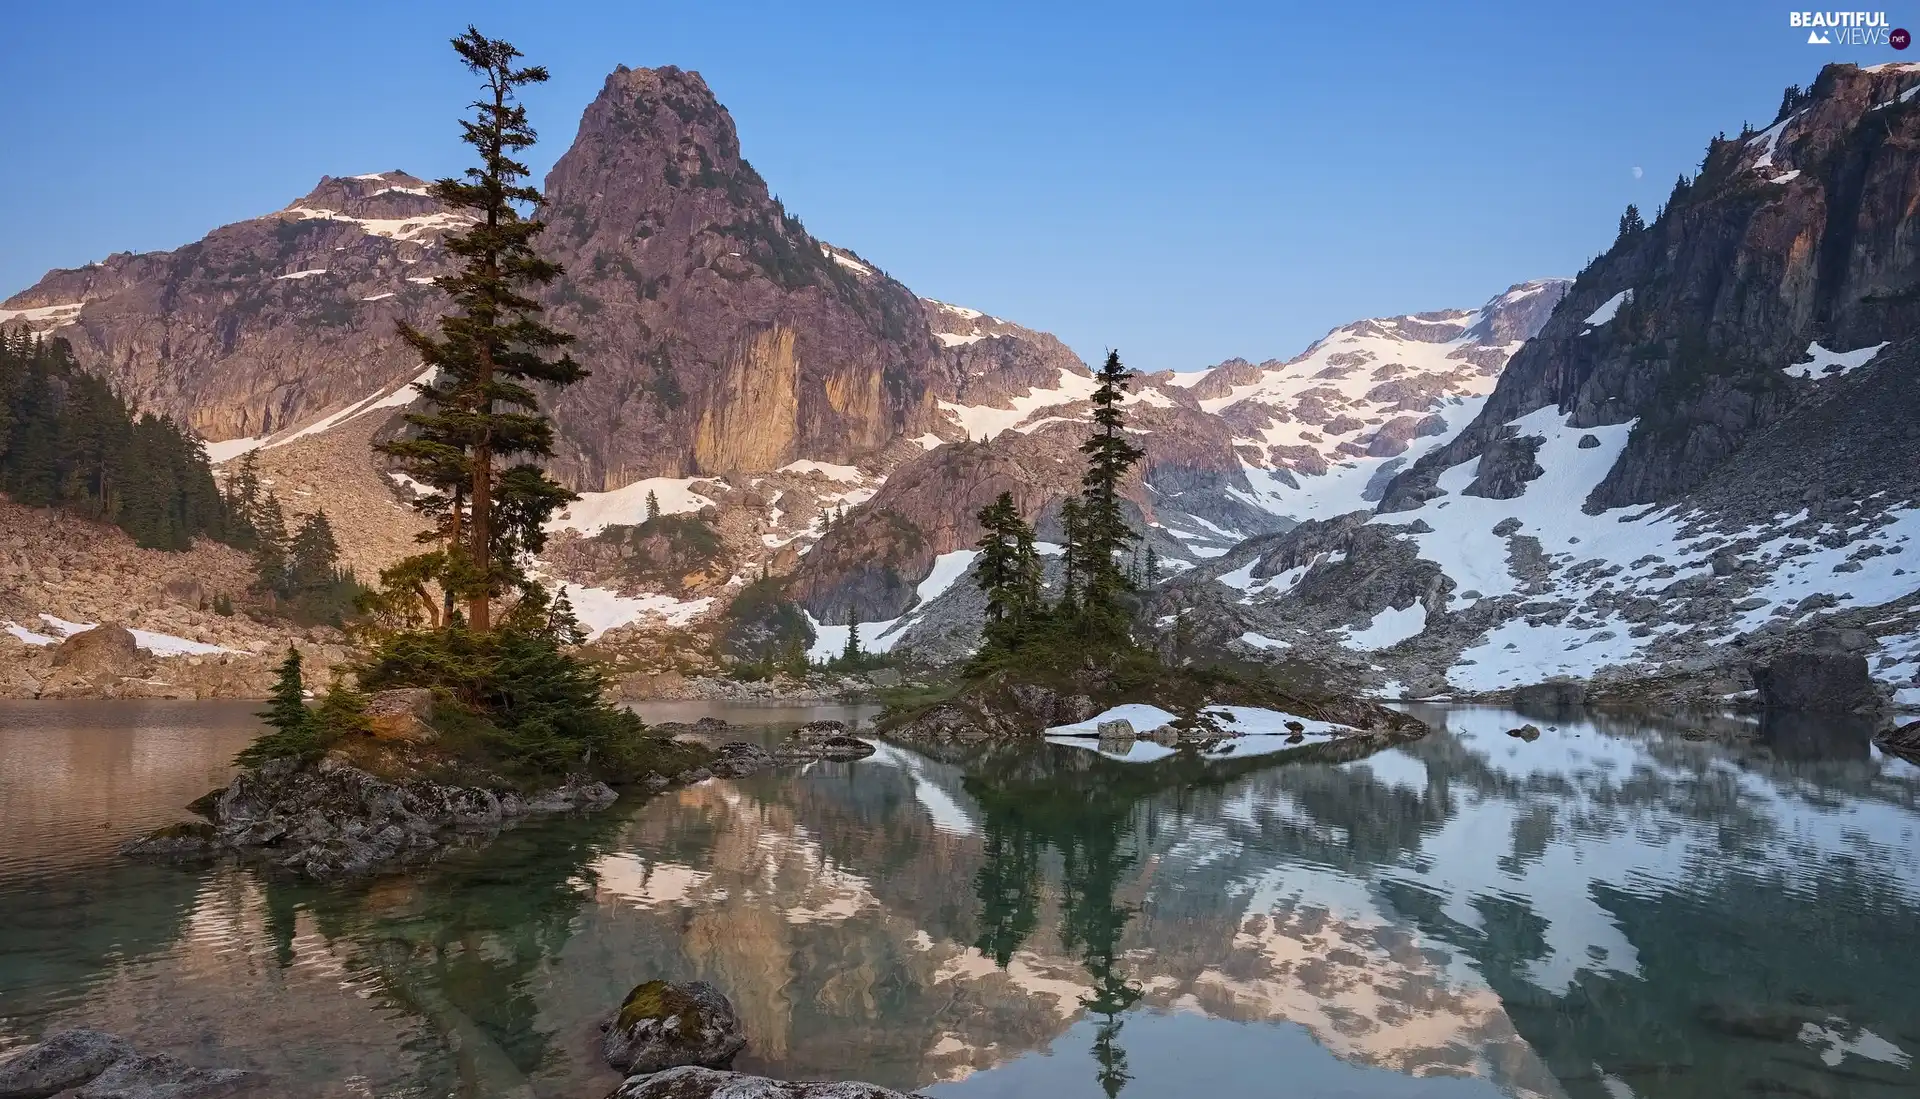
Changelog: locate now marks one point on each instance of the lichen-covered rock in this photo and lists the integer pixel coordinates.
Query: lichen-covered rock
(662, 1025)
(740, 759)
(64, 1059)
(704, 1083)
(1118, 727)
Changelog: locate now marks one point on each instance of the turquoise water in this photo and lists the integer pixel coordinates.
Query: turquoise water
(1618, 909)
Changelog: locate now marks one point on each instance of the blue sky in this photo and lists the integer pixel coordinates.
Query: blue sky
(1183, 182)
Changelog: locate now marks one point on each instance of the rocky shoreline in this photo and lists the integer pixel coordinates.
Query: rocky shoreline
(334, 818)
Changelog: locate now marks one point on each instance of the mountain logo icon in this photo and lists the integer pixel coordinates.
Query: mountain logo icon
(1816, 38)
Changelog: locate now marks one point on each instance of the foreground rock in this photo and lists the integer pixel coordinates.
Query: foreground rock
(92, 1064)
(1824, 680)
(704, 1083)
(332, 819)
(665, 1025)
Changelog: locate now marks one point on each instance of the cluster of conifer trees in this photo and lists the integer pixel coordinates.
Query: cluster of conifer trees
(299, 572)
(68, 440)
(1093, 610)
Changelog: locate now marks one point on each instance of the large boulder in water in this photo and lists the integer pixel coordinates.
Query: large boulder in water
(705, 1083)
(665, 1025)
(1816, 680)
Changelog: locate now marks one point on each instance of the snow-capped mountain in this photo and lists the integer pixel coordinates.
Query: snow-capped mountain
(1704, 457)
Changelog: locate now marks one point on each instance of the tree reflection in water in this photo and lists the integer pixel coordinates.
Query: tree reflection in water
(1095, 842)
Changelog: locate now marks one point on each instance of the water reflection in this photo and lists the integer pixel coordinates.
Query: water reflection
(1616, 909)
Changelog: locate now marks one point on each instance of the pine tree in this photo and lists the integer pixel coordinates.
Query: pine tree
(1153, 567)
(481, 407)
(1104, 535)
(1008, 571)
(653, 506)
(313, 558)
(1630, 222)
(851, 654)
(290, 725)
(270, 547)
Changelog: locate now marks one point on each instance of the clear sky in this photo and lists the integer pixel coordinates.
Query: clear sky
(1185, 182)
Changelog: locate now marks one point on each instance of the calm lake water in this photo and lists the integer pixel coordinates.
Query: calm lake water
(1617, 909)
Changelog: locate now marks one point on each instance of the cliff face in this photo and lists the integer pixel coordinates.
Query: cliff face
(1704, 458)
(265, 323)
(722, 337)
(1800, 234)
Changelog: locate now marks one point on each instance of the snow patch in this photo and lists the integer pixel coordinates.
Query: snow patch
(627, 506)
(1822, 363)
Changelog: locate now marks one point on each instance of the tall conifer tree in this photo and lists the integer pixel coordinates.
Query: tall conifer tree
(482, 411)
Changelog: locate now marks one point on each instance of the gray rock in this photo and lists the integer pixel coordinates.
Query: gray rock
(663, 1025)
(332, 820)
(64, 1059)
(820, 730)
(1834, 682)
(1525, 732)
(837, 748)
(158, 1076)
(1118, 727)
(739, 759)
(1588, 442)
(702, 1083)
(1558, 694)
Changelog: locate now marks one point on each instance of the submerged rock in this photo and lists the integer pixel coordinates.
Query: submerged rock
(664, 1025)
(159, 1076)
(92, 1064)
(1528, 732)
(64, 1059)
(704, 1083)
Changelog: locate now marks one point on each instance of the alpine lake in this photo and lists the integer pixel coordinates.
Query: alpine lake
(1621, 908)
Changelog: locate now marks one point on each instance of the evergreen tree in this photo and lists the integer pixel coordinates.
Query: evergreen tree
(481, 407)
(270, 548)
(1008, 571)
(1070, 530)
(290, 724)
(1630, 222)
(851, 654)
(653, 506)
(1104, 535)
(1153, 567)
(1791, 101)
(313, 558)
(68, 440)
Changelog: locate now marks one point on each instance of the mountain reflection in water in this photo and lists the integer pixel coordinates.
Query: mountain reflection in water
(1617, 909)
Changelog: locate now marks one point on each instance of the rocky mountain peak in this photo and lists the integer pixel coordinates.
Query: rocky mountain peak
(375, 195)
(652, 140)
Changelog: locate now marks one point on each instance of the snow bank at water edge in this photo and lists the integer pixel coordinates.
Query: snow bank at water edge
(1254, 731)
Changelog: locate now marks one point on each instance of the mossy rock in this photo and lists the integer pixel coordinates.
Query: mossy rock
(662, 1025)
